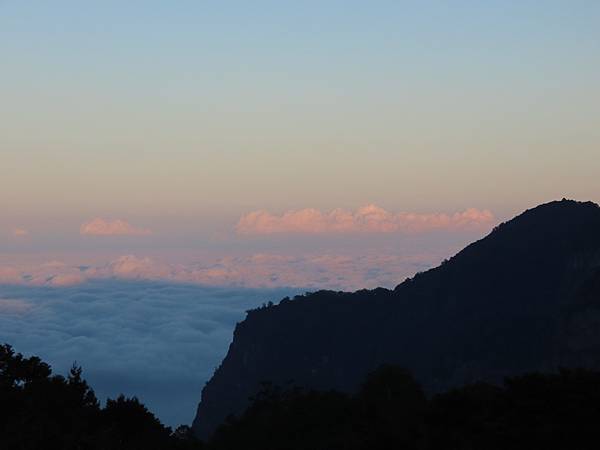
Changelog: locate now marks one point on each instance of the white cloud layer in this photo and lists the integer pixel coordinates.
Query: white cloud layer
(157, 340)
(117, 227)
(367, 219)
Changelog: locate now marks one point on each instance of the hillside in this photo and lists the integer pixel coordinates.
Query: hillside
(524, 298)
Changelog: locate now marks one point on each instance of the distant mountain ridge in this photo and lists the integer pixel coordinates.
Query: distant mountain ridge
(524, 298)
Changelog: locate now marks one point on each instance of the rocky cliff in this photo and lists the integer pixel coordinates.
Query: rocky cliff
(524, 298)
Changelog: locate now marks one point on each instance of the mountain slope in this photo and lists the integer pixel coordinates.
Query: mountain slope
(524, 298)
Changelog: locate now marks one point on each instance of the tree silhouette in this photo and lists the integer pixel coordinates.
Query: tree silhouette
(39, 410)
(392, 407)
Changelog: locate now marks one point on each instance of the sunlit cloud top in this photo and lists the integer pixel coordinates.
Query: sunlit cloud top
(367, 219)
(102, 227)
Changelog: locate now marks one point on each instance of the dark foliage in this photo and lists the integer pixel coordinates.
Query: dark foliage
(41, 411)
(534, 411)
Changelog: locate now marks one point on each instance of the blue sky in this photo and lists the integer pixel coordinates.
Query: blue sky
(207, 108)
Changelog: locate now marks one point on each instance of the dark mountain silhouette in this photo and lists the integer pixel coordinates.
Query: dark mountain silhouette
(525, 298)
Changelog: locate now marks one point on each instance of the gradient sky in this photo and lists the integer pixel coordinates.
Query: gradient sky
(165, 165)
(180, 117)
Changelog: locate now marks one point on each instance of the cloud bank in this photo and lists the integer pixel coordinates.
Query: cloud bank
(367, 219)
(12, 306)
(159, 341)
(102, 227)
(257, 270)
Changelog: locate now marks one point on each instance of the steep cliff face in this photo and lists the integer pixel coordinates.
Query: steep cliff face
(526, 297)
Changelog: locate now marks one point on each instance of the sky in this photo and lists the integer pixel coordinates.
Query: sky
(198, 112)
(180, 119)
(279, 145)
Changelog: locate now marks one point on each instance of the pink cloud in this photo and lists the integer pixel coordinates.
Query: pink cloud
(367, 219)
(102, 227)
(20, 232)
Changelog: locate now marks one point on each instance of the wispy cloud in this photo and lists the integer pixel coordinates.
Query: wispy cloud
(367, 219)
(117, 227)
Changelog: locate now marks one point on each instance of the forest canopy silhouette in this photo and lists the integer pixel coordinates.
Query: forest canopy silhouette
(39, 410)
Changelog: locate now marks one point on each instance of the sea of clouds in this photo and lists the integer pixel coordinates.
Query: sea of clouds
(157, 340)
(155, 323)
